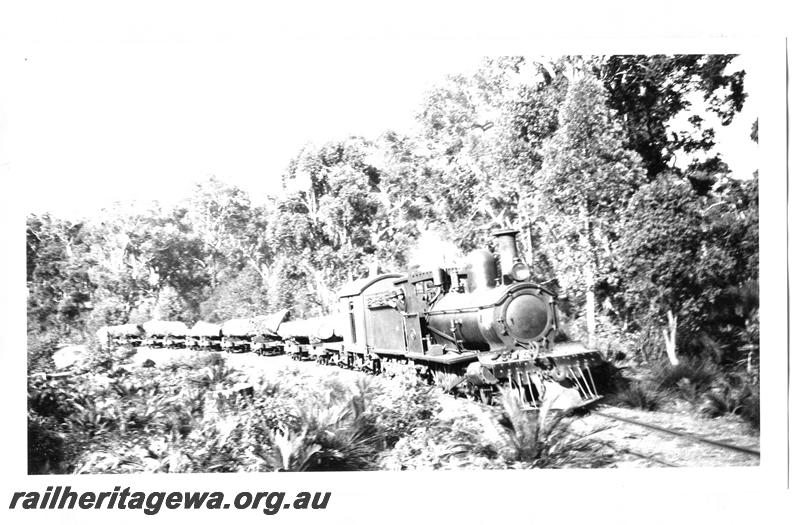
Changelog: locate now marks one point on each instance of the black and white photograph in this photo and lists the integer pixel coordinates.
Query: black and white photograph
(383, 260)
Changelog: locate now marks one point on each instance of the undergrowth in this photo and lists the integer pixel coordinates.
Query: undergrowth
(640, 395)
(711, 389)
(194, 414)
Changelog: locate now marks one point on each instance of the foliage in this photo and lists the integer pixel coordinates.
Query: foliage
(751, 408)
(60, 289)
(698, 372)
(641, 395)
(653, 90)
(694, 257)
(735, 394)
(586, 179)
(187, 415)
(539, 439)
(243, 294)
(456, 444)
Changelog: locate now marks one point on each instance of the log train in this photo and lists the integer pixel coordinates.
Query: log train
(471, 329)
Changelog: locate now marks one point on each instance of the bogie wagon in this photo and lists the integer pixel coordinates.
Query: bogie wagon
(204, 336)
(165, 334)
(264, 329)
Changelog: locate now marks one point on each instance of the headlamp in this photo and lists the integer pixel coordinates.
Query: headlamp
(520, 271)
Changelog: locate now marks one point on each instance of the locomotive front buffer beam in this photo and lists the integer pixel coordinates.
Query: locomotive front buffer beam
(562, 382)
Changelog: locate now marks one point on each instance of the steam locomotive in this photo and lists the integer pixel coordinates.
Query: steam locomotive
(472, 329)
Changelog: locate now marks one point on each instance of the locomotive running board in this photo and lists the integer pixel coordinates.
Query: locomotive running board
(446, 359)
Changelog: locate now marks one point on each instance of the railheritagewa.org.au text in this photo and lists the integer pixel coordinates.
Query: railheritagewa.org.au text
(152, 502)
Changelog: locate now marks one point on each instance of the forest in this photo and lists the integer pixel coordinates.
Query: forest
(650, 239)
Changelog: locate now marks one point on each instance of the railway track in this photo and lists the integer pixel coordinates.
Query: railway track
(603, 411)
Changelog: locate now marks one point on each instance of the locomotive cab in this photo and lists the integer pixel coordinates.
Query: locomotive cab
(370, 319)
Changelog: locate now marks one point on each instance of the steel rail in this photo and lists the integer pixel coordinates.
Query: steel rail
(678, 433)
(640, 455)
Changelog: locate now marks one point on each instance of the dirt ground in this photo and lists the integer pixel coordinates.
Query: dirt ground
(632, 445)
(637, 446)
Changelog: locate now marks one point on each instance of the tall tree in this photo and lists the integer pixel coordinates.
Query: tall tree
(586, 179)
(231, 228)
(59, 287)
(484, 134)
(649, 91)
(328, 221)
(695, 257)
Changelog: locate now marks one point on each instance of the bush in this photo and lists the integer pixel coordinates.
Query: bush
(40, 351)
(642, 395)
(405, 404)
(443, 446)
(734, 394)
(751, 409)
(610, 378)
(540, 439)
(341, 437)
(174, 419)
(698, 372)
(45, 448)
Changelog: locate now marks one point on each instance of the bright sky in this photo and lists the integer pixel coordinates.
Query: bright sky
(96, 115)
(135, 120)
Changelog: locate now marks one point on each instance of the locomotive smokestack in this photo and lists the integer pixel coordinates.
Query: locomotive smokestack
(507, 246)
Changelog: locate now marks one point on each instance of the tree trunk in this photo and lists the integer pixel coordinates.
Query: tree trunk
(528, 240)
(589, 276)
(670, 333)
(591, 307)
(261, 269)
